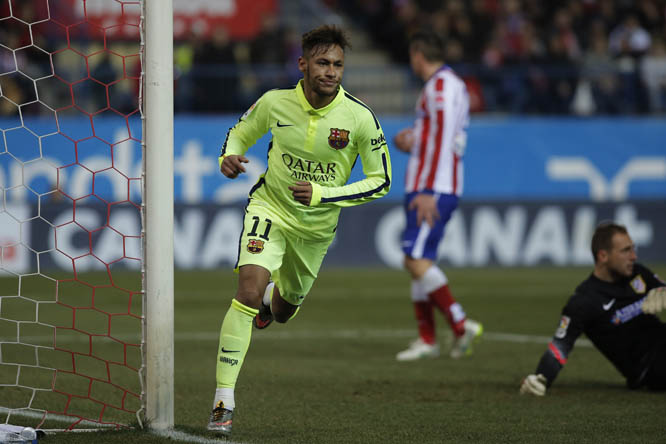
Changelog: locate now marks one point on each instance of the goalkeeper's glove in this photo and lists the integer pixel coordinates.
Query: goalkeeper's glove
(534, 385)
(655, 301)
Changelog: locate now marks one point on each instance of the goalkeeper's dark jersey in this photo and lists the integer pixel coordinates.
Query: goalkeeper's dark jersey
(610, 315)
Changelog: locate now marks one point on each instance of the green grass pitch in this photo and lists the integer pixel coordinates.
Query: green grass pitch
(330, 374)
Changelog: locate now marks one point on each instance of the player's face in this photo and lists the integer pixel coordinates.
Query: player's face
(322, 70)
(621, 258)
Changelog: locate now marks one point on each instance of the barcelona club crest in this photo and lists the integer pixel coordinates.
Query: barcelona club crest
(339, 138)
(255, 246)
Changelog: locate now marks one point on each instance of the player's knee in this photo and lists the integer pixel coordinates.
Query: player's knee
(282, 317)
(417, 267)
(250, 297)
(285, 314)
(411, 267)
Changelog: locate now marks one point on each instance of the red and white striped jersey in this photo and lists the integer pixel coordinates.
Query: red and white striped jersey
(436, 159)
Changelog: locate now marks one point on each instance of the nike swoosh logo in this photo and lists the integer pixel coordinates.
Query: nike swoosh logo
(282, 125)
(224, 350)
(609, 305)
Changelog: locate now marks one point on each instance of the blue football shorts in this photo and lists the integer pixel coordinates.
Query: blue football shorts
(421, 242)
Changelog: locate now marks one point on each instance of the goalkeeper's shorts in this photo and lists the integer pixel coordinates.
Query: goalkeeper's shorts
(422, 241)
(292, 261)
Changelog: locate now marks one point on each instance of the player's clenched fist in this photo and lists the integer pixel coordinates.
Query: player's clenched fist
(655, 301)
(534, 385)
(232, 165)
(302, 192)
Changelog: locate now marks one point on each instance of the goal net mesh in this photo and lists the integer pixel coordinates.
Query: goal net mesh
(70, 213)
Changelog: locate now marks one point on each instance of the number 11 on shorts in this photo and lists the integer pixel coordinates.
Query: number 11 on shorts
(253, 231)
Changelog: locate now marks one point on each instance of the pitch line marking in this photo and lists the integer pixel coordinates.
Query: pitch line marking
(371, 333)
(322, 334)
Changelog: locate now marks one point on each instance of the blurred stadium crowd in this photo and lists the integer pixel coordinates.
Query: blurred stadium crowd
(221, 74)
(583, 57)
(535, 56)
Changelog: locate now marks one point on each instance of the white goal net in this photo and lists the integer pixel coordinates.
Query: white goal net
(71, 294)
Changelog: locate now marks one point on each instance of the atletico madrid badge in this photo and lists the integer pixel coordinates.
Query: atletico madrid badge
(339, 138)
(638, 284)
(255, 246)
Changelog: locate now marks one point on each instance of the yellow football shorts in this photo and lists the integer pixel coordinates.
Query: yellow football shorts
(292, 261)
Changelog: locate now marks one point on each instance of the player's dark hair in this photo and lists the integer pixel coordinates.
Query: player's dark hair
(602, 239)
(428, 43)
(321, 38)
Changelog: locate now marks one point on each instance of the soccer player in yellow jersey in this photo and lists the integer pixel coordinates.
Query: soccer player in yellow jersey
(318, 132)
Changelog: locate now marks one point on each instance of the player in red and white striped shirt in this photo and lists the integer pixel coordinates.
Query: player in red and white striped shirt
(433, 184)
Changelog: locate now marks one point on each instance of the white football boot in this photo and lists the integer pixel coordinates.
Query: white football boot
(462, 346)
(418, 350)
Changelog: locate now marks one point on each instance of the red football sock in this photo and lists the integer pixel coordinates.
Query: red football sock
(426, 321)
(454, 313)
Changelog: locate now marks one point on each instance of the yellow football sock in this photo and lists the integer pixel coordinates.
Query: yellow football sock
(234, 342)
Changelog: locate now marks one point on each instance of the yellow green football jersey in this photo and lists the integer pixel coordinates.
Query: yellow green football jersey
(319, 146)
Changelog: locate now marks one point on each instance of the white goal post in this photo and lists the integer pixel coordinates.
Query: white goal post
(86, 342)
(158, 213)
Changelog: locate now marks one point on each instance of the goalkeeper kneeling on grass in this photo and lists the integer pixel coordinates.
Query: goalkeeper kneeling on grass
(616, 308)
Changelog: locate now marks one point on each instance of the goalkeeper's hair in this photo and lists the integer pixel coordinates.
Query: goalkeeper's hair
(428, 43)
(602, 239)
(323, 37)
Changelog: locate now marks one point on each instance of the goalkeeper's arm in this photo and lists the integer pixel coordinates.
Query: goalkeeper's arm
(554, 358)
(549, 366)
(571, 326)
